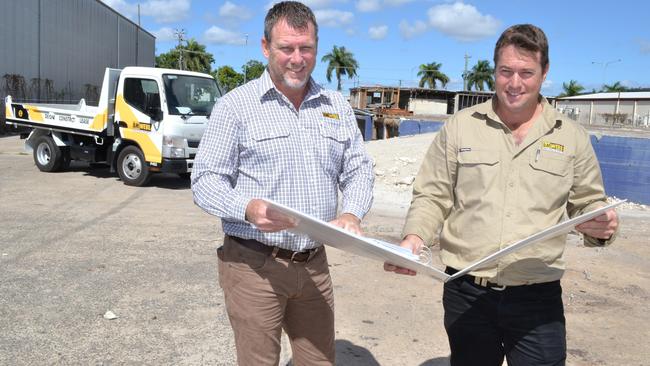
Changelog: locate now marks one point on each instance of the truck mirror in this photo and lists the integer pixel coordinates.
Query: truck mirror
(156, 114)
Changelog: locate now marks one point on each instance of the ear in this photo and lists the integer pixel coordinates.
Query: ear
(546, 72)
(266, 47)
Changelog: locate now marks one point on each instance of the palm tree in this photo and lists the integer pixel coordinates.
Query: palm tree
(195, 57)
(342, 62)
(571, 89)
(482, 73)
(429, 73)
(616, 87)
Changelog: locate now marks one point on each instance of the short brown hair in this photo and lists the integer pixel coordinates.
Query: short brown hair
(527, 37)
(297, 15)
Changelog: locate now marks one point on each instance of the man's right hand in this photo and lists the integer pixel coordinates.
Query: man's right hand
(415, 244)
(265, 218)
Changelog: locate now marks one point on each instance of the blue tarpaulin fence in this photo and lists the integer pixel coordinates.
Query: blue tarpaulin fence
(625, 163)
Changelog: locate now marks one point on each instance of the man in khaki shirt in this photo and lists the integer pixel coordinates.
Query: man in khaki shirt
(497, 173)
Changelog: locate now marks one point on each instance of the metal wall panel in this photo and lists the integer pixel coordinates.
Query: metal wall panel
(60, 48)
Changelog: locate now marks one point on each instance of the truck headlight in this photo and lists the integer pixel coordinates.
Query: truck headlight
(174, 146)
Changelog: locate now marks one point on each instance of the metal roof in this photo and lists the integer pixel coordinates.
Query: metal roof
(609, 96)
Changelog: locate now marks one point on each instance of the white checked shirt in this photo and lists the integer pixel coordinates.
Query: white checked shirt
(257, 145)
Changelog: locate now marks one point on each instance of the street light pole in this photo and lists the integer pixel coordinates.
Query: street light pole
(246, 56)
(605, 64)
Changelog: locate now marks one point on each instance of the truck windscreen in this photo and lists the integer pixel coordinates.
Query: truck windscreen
(190, 95)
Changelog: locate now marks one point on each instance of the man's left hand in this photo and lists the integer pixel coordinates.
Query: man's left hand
(601, 227)
(348, 222)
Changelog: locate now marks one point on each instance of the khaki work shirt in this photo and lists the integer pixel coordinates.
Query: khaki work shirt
(488, 192)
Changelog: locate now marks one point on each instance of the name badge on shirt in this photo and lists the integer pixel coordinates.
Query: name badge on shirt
(331, 115)
(553, 147)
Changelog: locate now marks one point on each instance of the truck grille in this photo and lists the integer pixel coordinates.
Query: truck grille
(193, 143)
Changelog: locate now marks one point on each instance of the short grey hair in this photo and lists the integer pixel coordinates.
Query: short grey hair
(297, 15)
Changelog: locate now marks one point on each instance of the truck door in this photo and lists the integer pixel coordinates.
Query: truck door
(140, 117)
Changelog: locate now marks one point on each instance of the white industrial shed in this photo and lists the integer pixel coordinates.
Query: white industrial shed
(631, 109)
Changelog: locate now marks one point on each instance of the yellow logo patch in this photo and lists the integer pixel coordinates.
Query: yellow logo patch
(331, 115)
(552, 146)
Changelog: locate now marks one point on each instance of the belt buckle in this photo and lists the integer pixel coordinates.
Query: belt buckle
(293, 257)
(483, 282)
(312, 253)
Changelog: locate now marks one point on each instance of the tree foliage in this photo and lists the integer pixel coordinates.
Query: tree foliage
(228, 78)
(253, 69)
(614, 88)
(482, 74)
(571, 89)
(340, 62)
(194, 55)
(430, 73)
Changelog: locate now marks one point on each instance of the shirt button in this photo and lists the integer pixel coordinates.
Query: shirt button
(508, 214)
(511, 184)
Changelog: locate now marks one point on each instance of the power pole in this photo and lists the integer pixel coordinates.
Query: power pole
(467, 57)
(246, 53)
(180, 35)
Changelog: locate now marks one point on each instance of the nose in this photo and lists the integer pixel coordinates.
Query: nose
(515, 80)
(296, 56)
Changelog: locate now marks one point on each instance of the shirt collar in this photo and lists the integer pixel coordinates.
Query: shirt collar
(266, 85)
(549, 120)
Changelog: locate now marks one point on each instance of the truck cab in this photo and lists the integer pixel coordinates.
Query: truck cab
(163, 113)
(148, 120)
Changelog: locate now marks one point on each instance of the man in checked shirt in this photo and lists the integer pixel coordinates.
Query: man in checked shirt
(281, 137)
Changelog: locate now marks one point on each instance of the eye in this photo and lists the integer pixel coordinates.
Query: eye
(505, 72)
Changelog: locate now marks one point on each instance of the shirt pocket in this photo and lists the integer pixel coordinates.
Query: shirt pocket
(478, 171)
(267, 148)
(332, 140)
(551, 174)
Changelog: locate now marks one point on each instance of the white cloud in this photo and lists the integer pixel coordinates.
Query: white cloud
(216, 35)
(232, 10)
(333, 18)
(164, 34)
(397, 2)
(378, 32)
(166, 11)
(409, 31)
(312, 4)
(462, 22)
(122, 7)
(163, 11)
(376, 5)
(644, 47)
(368, 5)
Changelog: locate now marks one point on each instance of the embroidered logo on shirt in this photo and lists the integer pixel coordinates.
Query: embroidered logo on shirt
(465, 149)
(331, 115)
(552, 146)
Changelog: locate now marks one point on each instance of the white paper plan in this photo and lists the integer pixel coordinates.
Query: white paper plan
(326, 233)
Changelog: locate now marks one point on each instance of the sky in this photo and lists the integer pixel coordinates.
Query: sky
(594, 43)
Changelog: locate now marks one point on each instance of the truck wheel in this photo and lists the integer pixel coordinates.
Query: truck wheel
(132, 168)
(47, 156)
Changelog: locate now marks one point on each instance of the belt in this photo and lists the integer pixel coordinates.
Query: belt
(480, 281)
(276, 252)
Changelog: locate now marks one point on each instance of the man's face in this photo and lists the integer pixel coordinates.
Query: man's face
(518, 78)
(291, 55)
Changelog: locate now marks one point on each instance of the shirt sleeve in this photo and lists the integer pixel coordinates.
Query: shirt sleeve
(433, 189)
(215, 169)
(357, 177)
(588, 191)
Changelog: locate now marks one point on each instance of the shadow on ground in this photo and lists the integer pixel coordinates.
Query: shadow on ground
(349, 354)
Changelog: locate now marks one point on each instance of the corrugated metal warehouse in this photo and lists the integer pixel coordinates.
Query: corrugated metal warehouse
(57, 50)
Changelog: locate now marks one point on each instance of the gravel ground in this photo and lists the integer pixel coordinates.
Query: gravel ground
(77, 244)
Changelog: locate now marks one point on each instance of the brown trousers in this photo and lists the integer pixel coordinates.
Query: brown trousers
(265, 295)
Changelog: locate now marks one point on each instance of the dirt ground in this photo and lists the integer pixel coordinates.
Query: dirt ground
(76, 244)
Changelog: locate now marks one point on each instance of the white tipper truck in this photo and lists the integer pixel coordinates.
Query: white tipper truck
(148, 120)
